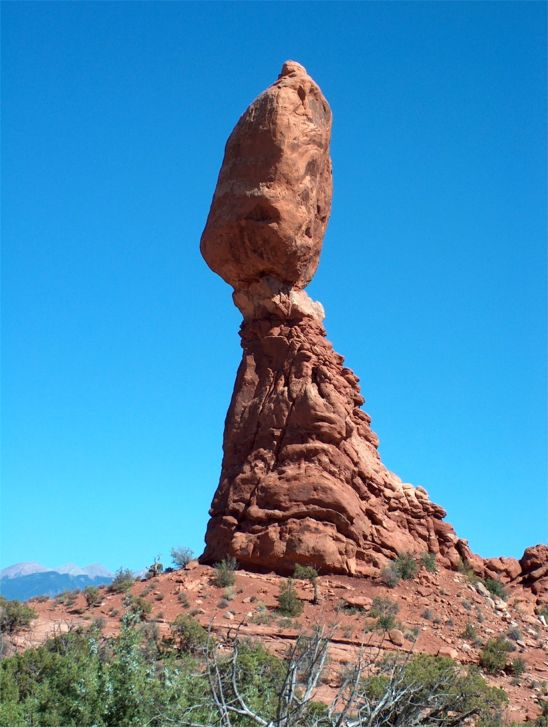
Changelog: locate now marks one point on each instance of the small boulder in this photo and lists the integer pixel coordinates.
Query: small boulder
(396, 637)
(448, 651)
(363, 602)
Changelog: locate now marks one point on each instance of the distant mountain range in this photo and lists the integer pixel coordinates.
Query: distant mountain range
(26, 580)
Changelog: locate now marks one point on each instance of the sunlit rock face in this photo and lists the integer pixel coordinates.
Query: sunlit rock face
(302, 480)
(273, 195)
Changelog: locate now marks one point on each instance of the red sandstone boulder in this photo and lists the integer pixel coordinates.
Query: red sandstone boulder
(534, 571)
(273, 195)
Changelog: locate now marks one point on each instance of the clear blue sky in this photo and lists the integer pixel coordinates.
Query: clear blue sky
(120, 346)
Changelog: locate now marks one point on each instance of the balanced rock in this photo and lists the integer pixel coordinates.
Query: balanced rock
(273, 195)
(302, 480)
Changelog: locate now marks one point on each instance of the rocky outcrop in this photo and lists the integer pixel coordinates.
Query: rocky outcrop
(534, 571)
(302, 480)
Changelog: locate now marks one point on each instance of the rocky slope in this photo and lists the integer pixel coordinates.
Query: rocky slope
(435, 614)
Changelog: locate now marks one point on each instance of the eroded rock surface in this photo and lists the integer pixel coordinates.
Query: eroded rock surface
(302, 480)
(273, 195)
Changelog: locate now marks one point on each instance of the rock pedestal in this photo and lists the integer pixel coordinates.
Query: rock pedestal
(302, 480)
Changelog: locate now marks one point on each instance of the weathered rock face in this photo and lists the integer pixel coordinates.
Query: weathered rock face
(302, 480)
(273, 195)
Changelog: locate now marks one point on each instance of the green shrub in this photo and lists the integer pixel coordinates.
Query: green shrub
(123, 581)
(137, 606)
(155, 568)
(496, 588)
(390, 576)
(470, 633)
(494, 655)
(442, 679)
(225, 573)
(189, 635)
(93, 596)
(67, 598)
(384, 610)
(181, 556)
(289, 604)
(467, 571)
(307, 573)
(428, 562)
(406, 566)
(517, 667)
(183, 599)
(15, 616)
(514, 634)
(542, 721)
(136, 678)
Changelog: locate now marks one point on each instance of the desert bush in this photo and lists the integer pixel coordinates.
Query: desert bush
(137, 606)
(467, 571)
(542, 720)
(183, 599)
(543, 611)
(517, 667)
(15, 616)
(427, 614)
(406, 566)
(390, 576)
(428, 562)
(514, 634)
(67, 598)
(93, 596)
(189, 635)
(307, 573)
(122, 581)
(496, 588)
(136, 679)
(384, 610)
(494, 655)
(289, 604)
(225, 574)
(155, 568)
(470, 633)
(181, 556)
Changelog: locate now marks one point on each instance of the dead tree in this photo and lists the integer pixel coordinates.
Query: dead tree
(403, 701)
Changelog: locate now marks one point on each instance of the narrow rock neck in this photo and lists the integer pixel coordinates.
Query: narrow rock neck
(269, 297)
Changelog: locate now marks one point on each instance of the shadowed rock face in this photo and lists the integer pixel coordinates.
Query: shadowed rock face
(302, 480)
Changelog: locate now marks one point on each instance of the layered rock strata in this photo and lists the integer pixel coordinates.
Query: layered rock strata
(302, 480)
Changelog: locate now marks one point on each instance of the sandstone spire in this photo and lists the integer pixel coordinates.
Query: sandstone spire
(302, 480)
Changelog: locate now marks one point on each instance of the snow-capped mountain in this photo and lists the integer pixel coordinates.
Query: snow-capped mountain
(22, 581)
(22, 569)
